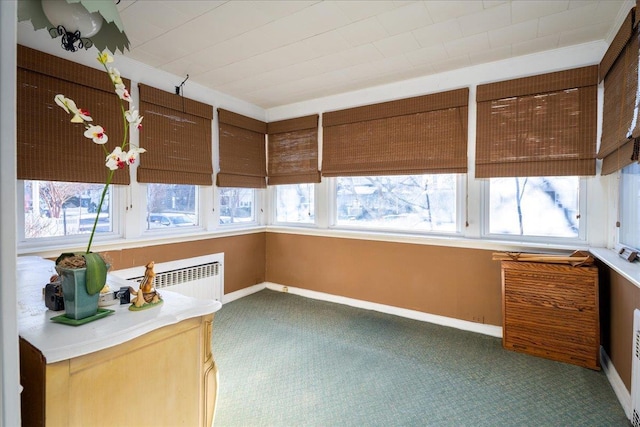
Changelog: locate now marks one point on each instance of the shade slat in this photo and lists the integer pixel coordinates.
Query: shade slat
(178, 143)
(293, 151)
(242, 151)
(49, 147)
(372, 140)
(550, 131)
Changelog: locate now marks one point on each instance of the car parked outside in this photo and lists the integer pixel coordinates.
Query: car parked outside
(163, 220)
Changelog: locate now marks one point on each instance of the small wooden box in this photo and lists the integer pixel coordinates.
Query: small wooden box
(551, 311)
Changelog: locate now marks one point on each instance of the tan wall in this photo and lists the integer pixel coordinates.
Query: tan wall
(619, 298)
(453, 282)
(244, 257)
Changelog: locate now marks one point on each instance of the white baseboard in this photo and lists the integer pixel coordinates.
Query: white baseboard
(232, 296)
(623, 395)
(494, 331)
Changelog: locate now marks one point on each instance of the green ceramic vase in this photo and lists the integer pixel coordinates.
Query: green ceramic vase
(78, 304)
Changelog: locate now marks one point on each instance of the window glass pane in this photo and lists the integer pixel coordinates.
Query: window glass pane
(236, 205)
(534, 206)
(630, 206)
(407, 202)
(171, 205)
(295, 203)
(53, 208)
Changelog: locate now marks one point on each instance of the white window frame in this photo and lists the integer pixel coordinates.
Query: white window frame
(332, 211)
(171, 231)
(272, 195)
(582, 223)
(258, 212)
(76, 240)
(617, 188)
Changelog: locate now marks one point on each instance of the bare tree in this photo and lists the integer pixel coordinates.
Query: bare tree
(519, 194)
(54, 194)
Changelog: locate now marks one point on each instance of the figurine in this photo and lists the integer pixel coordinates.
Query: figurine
(147, 282)
(146, 295)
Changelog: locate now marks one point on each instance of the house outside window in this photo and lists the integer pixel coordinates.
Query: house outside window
(54, 209)
(237, 206)
(425, 203)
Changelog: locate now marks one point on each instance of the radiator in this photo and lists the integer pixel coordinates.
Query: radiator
(635, 371)
(199, 277)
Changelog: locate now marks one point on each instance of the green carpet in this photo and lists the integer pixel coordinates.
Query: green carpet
(286, 360)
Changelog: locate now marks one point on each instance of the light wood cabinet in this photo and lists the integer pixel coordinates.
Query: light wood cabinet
(551, 310)
(166, 377)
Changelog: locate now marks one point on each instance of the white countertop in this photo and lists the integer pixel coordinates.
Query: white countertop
(60, 342)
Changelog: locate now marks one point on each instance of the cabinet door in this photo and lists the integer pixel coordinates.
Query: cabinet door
(551, 310)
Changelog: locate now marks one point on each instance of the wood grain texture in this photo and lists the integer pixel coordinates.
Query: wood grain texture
(552, 311)
(164, 378)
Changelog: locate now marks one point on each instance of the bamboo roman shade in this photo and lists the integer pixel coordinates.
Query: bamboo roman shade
(242, 151)
(543, 125)
(49, 146)
(619, 69)
(177, 137)
(424, 134)
(293, 151)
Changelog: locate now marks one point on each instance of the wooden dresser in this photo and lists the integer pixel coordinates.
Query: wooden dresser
(551, 311)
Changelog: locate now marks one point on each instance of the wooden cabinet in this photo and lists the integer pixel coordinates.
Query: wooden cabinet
(551, 310)
(166, 377)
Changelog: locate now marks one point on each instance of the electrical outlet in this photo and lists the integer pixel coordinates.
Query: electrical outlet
(285, 289)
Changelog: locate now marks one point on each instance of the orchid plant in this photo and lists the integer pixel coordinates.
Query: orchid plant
(121, 156)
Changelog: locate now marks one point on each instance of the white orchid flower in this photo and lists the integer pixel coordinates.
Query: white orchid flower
(96, 133)
(114, 160)
(132, 154)
(115, 76)
(123, 93)
(79, 115)
(134, 117)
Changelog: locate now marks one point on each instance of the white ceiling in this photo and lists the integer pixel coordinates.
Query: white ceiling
(272, 53)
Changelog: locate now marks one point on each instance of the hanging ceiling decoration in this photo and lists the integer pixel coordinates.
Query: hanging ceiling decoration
(81, 23)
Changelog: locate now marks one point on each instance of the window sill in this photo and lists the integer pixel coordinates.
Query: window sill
(433, 240)
(628, 270)
(147, 240)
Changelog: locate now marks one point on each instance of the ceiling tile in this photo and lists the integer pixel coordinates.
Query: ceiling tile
(397, 45)
(568, 20)
(452, 64)
(427, 55)
(536, 45)
(362, 32)
(438, 33)
(523, 10)
(406, 18)
(355, 12)
(491, 55)
(485, 20)
(444, 10)
(466, 45)
(582, 35)
(326, 43)
(521, 32)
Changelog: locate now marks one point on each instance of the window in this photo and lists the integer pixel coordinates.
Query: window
(171, 206)
(402, 202)
(54, 209)
(630, 206)
(237, 205)
(295, 203)
(535, 206)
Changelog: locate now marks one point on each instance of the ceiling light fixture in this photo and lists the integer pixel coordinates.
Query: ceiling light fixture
(81, 23)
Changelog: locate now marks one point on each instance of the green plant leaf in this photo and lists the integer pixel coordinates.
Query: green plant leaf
(96, 275)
